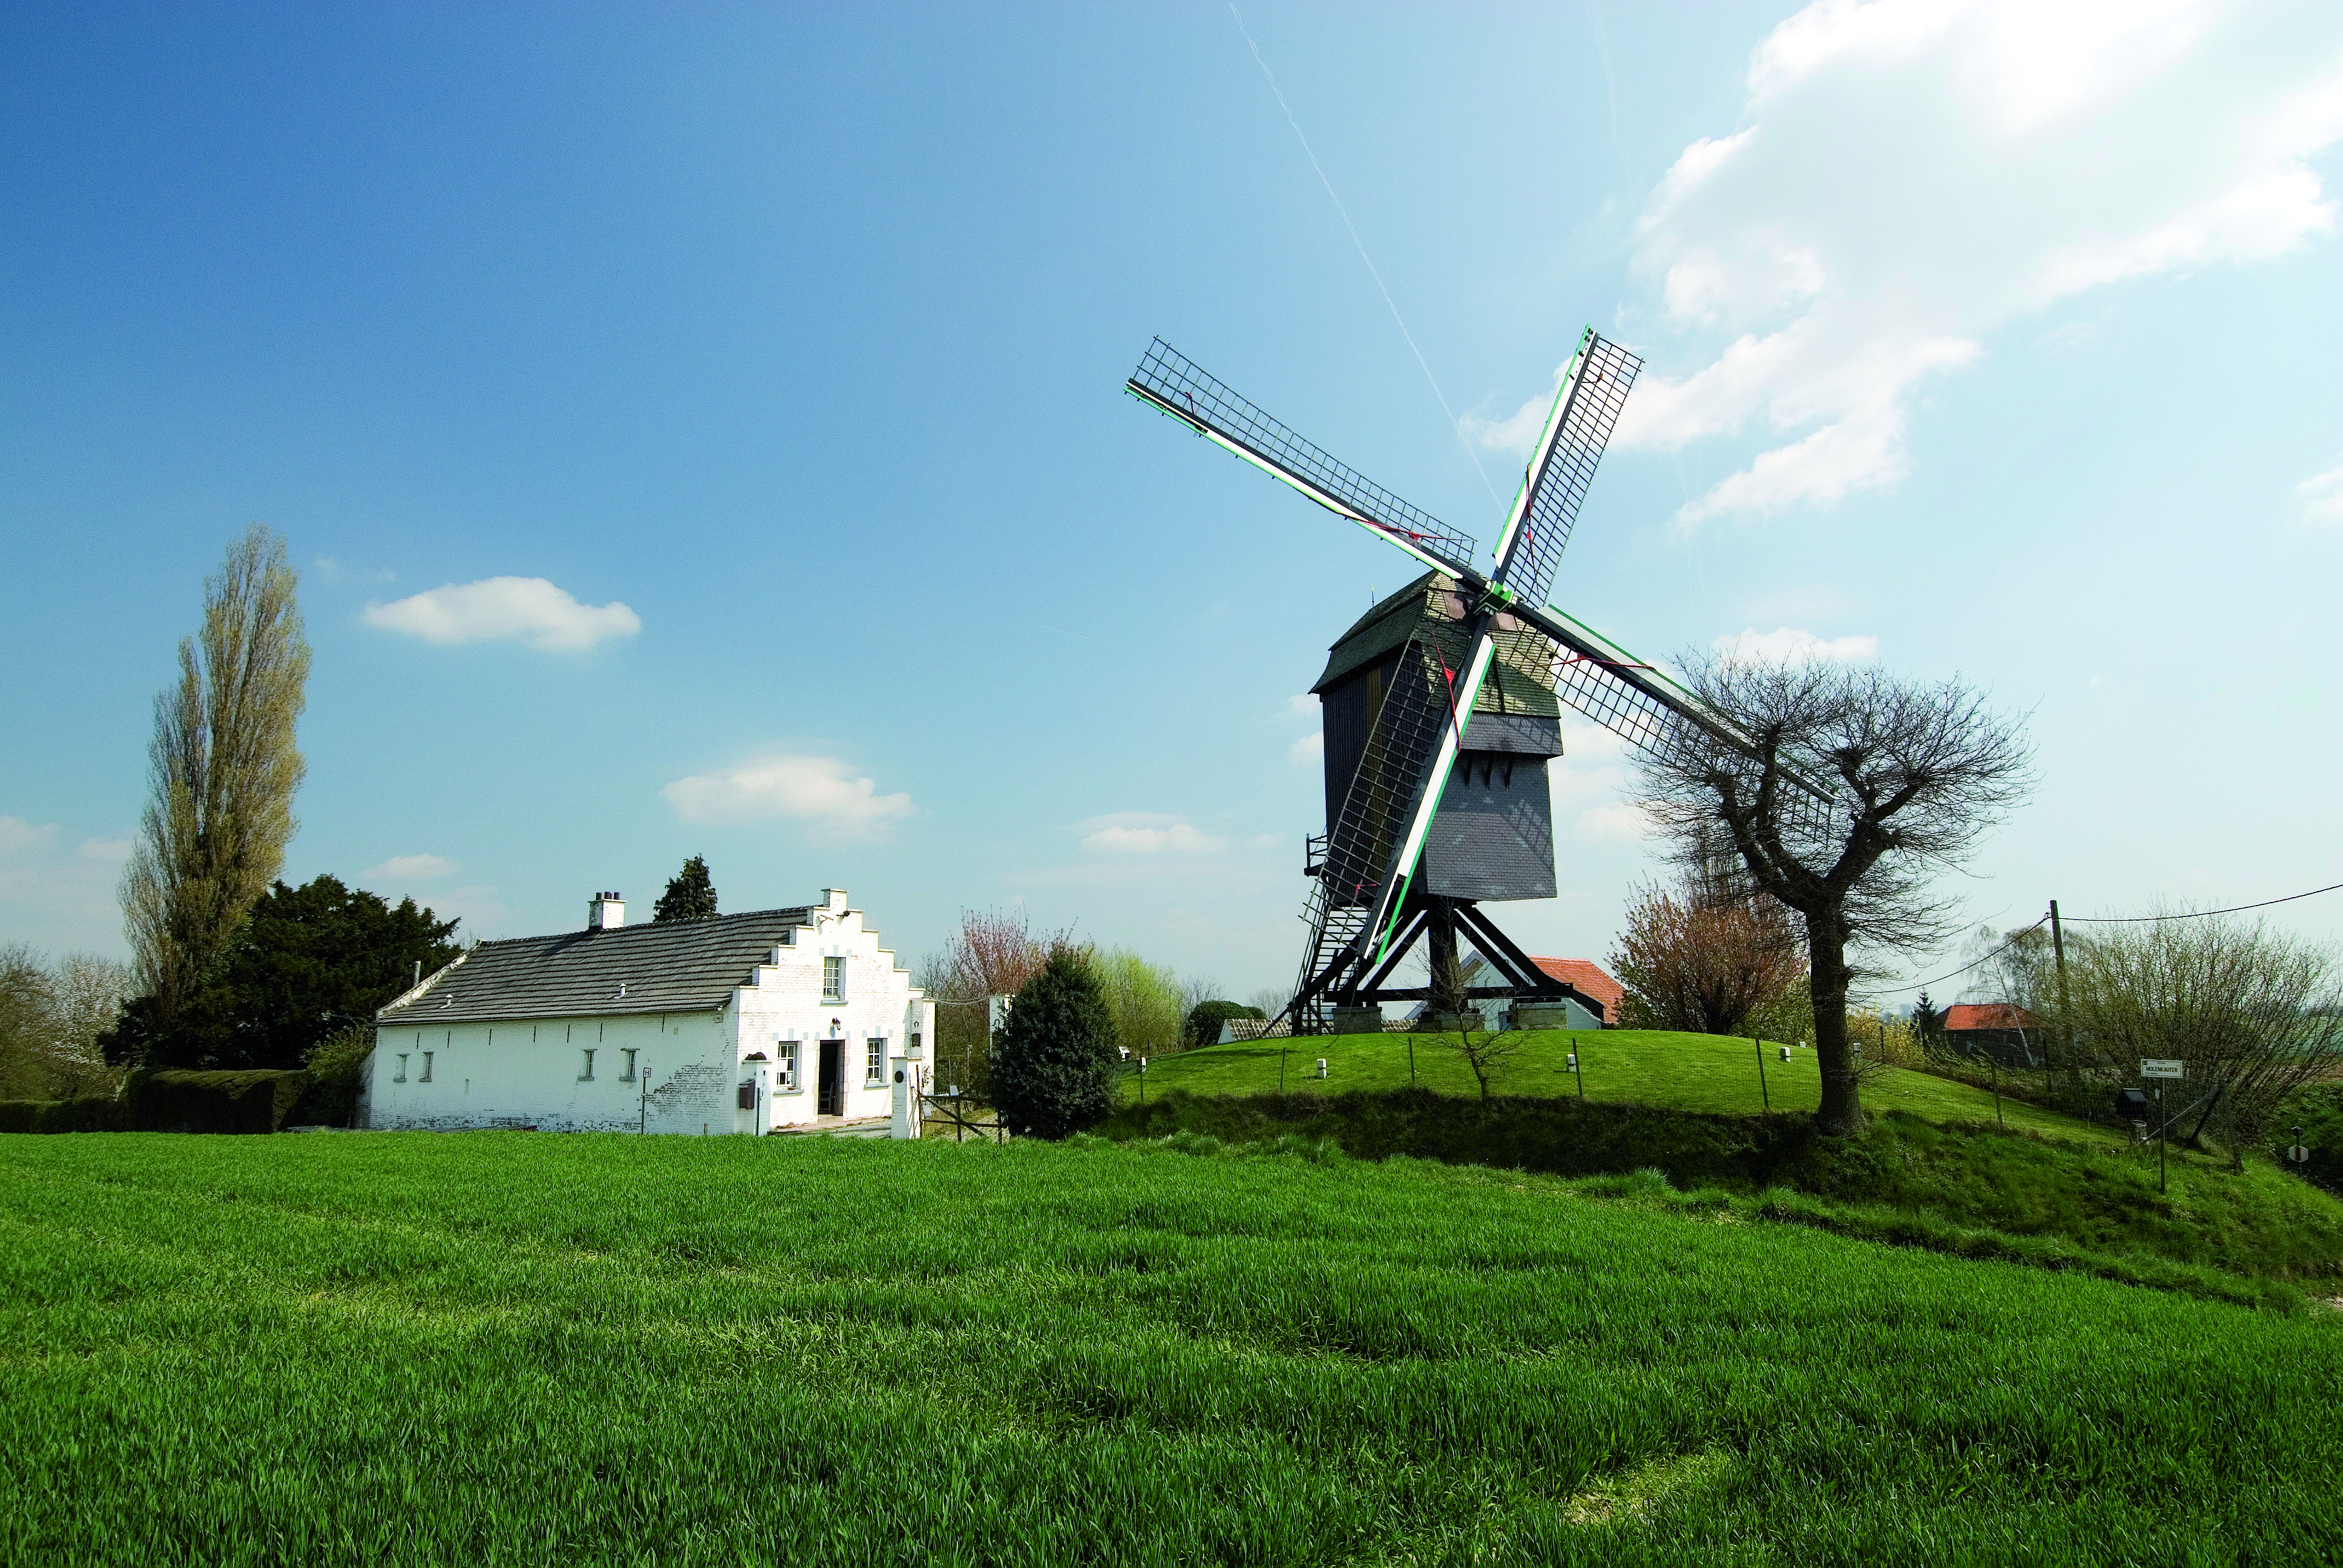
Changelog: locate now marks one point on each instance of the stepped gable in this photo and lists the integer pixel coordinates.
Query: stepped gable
(676, 966)
(1589, 980)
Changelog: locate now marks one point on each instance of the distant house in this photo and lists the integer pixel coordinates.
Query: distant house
(1593, 1002)
(1588, 979)
(2003, 1031)
(739, 1023)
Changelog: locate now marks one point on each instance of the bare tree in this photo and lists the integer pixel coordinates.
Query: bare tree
(1484, 1053)
(51, 1015)
(1918, 773)
(222, 768)
(1703, 956)
(2253, 1012)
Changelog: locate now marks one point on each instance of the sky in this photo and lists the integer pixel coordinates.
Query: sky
(699, 429)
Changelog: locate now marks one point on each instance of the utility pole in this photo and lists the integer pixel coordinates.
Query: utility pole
(2065, 1024)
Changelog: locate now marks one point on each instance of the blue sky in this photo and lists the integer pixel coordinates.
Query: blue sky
(700, 429)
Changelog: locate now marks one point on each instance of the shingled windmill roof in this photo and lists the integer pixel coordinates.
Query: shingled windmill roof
(676, 966)
(1514, 683)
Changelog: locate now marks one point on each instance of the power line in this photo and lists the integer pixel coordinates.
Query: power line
(2189, 914)
(2108, 920)
(1965, 969)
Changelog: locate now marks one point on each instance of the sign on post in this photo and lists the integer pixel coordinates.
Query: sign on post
(2158, 1067)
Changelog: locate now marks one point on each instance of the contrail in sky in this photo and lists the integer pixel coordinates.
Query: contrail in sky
(1452, 424)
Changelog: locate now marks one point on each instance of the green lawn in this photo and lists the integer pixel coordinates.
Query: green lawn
(1643, 1067)
(408, 1347)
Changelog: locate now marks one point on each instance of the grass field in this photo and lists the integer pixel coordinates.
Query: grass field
(1644, 1066)
(408, 1347)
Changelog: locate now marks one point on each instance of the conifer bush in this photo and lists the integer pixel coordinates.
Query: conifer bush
(1053, 1062)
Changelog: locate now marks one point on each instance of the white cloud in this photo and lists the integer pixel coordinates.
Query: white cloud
(1911, 175)
(821, 791)
(1310, 748)
(2322, 496)
(1302, 702)
(113, 851)
(526, 609)
(1788, 644)
(1148, 833)
(16, 834)
(411, 868)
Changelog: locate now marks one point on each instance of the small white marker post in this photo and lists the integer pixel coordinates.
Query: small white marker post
(2160, 1067)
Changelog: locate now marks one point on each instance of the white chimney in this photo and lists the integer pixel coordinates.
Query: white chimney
(834, 900)
(607, 912)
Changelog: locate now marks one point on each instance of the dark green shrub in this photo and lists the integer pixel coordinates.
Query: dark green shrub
(92, 1114)
(1204, 1021)
(1053, 1063)
(178, 1101)
(336, 1066)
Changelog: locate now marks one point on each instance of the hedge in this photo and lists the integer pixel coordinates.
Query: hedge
(95, 1113)
(177, 1102)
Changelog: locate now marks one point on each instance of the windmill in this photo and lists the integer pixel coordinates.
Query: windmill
(1369, 903)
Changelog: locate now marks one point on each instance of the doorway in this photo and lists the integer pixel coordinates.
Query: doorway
(829, 1091)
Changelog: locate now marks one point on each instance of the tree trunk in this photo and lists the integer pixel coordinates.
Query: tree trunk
(1841, 1115)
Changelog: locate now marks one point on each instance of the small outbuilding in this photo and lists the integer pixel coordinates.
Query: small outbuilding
(2002, 1031)
(746, 1023)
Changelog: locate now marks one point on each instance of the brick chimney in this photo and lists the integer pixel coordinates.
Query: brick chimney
(606, 913)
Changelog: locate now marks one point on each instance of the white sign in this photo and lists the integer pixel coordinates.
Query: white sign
(2152, 1067)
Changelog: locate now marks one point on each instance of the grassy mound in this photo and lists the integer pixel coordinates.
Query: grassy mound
(1624, 1066)
(402, 1348)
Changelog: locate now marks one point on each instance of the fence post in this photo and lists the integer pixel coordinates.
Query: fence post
(1763, 1092)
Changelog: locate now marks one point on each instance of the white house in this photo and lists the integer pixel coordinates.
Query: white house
(740, 1023)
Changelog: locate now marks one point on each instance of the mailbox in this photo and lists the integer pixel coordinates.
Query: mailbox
(2132, 1104)
(748, 1100)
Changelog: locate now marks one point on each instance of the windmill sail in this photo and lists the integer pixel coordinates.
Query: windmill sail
(1375, 841)
(1169, 381)
(1595, 389)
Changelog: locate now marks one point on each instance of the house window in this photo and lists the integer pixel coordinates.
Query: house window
(878, 1061)
(628, 1076)
(402, 1069)
(833, 980)
(785, 1069)
(427, 1067)
(588, 1075)
(915, 1042)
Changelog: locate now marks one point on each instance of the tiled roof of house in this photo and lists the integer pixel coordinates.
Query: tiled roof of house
(1590, 980)
(677, 966)
(1988, 1015)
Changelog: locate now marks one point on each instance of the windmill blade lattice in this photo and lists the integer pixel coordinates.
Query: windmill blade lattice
(1172, 383)
(1587, 407)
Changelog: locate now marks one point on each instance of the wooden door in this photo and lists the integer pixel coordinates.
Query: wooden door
(829, 1098)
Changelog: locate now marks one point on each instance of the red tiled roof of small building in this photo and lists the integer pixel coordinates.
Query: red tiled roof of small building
(1988, 1015)
(1590, 981)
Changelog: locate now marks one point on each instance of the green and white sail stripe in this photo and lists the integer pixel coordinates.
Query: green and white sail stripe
(1543, 456)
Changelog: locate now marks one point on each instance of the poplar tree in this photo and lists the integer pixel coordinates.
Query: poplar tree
(222, 770)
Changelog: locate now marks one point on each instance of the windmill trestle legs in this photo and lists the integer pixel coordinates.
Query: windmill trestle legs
(1347, 990)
